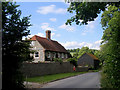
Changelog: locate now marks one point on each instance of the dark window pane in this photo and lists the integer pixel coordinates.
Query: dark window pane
(36, 54)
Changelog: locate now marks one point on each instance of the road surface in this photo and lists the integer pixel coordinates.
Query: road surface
(87, 80)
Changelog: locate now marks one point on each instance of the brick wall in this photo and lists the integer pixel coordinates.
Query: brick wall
(39, 69)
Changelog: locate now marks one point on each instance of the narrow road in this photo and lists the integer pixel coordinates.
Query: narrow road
(87, 80)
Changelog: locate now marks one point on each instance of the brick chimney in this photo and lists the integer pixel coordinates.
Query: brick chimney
(48, 34)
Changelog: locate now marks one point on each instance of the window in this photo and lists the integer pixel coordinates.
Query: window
(62, 55)
(48, 54)
(54, 55)
(36, 54)
(66, 56)
(32, 43)
(58, 55)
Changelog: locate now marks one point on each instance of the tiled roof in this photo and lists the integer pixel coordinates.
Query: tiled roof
(50, 45)
(93, 56)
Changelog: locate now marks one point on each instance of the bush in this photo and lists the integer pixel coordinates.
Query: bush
(73, 61)
(58, 60)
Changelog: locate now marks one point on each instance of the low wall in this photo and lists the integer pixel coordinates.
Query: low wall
(81, 69)
(39, 69)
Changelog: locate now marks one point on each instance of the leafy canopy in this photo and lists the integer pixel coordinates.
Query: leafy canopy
(85, 12)
(14, 49)
(111, 47)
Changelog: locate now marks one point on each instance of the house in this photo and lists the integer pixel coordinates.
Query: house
(89, 60)
(47, 49)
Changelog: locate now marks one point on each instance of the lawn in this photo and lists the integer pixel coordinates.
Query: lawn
(49, 78)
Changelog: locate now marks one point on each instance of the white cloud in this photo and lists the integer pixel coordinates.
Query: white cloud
(90, 27)
(97, 42)
(35, 26)
(74, 44)
(51, 9)
(55, 35)
(40, 34)
(58, 35)
(53, 19)
(67, 27)
(52, 34)
(87, 30)
(80, 20)
(29, 36)
(45, 26)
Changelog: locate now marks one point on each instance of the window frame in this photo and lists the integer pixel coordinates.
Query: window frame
(66, 55)
(54, 55)
(36, 54)
(48, 55)
(62, 55)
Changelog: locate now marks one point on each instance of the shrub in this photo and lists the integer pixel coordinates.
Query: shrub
(73, 61)
(58, 60)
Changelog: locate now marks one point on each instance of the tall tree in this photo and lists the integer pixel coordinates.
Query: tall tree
(14, 49)
(111, 25)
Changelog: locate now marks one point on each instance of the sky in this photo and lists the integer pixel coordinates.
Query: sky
(52, 16)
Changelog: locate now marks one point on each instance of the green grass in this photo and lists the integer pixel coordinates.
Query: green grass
(48, 78)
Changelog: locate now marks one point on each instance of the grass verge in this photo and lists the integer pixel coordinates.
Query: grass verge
(49, 78)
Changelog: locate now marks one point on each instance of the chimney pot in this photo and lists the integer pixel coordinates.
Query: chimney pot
(48, 34)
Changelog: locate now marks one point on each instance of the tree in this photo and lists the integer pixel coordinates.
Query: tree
(84, 50)
(100, 55)
(86, 11)
(111, 25)
(75, 55)
(14, 49)
(73, 61)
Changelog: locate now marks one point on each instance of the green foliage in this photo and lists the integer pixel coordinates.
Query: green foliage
(74, 50)
(73, 61)
(85, 50)
(111, 47)
(100, 54)
(77, 53)
(58, 60)
(14, 49)
(86, 11)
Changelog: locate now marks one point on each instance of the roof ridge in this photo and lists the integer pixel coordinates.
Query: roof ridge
(91, 55)
(45, 38)
(49, 44)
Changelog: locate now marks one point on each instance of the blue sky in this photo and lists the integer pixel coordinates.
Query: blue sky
(52, 16)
